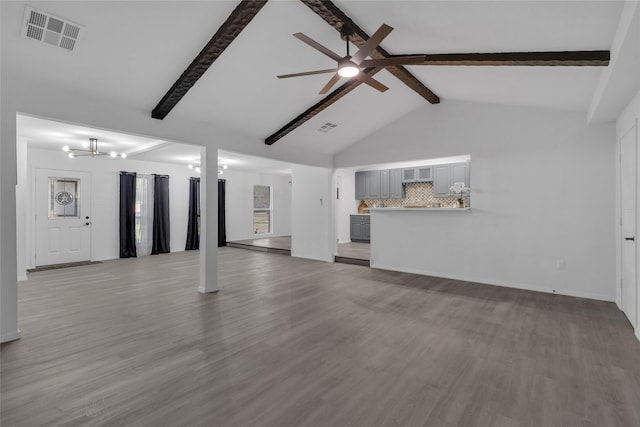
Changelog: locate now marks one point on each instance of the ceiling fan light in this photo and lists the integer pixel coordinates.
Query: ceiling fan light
(348, 71)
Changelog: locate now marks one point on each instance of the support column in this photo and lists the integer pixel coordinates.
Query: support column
(208, 220)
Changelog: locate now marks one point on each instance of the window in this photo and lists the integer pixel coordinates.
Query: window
(261, 209)
(63, 197)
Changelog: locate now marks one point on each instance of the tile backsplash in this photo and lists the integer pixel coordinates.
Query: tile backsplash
(419, 193)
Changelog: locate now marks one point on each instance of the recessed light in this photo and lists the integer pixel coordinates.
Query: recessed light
(113, 154)
(85, 144)
(190, 166)
(224, 166)
(71, 156)
(65, 148)
(123, 155)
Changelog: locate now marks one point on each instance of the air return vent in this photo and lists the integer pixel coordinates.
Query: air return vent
(327, 127)
(39, 25)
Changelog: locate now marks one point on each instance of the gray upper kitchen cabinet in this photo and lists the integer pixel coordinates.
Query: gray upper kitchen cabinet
(396, 189)
(417, 174)
(441, 180)
(373, 182)
(362, 191)
(424, 174)
(409, 175)
(445, 175)
(460, 173)
(384, 184)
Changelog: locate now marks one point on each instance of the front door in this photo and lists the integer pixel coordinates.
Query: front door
(628, 182)
(62, 217)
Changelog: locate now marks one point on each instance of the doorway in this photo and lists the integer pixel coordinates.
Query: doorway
(62, 217)
(628, 205)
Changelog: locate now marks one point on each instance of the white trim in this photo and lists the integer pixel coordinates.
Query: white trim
(12, 336)
(481, 281)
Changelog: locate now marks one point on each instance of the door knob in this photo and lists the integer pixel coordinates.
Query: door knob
(632, 238)
(87, 223)
(86, 217)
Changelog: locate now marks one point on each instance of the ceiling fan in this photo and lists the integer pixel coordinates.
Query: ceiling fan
(349, 66)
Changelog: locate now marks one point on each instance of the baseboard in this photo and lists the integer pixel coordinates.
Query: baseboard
(12, 336)
(492, 282)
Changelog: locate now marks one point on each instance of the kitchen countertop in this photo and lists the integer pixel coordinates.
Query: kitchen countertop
(420, 209)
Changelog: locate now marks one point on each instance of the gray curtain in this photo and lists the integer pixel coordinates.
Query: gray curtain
(127, 214)
(193, 226)
(161, 225)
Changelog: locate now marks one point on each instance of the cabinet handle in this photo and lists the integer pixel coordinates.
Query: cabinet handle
(632, 238)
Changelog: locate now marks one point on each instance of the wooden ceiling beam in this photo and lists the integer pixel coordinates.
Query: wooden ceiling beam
(591, 58)
(226, 34)
(347, 87)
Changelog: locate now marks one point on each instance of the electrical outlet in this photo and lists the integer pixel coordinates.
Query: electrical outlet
(561, 265)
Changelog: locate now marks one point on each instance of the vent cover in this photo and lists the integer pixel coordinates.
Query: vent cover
(327, 127)
(39, 25)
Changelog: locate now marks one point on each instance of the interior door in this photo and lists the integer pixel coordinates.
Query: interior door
(628, 183)
(62, 216)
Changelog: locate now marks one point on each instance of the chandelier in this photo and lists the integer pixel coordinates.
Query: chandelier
(91, 151)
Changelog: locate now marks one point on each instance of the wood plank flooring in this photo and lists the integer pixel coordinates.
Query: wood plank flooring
(277, 245)
(293, 342)
(355, 253)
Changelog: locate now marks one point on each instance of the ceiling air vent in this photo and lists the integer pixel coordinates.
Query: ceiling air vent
(39, 25)
(327, 127)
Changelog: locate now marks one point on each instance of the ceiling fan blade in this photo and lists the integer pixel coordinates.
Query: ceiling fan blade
(329, 85)
(314, 44)
(366, 78)
(372, 43)
(566, 58)
(308, 73)
(394, 61)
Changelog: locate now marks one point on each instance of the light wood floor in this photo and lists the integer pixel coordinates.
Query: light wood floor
(354, 250)
(292, 342)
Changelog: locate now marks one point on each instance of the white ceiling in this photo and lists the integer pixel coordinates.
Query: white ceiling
(53, 135)
(133, 51)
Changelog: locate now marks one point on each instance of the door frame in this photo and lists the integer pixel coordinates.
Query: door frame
(619, 238)
(32, 211)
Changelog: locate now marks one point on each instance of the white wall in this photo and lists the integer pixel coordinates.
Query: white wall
(105, 200)
(239, 203)
(543, 188)
(312, 234)
(346, 205)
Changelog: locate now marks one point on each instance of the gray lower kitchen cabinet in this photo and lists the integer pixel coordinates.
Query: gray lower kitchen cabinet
(360, 228)
(396, 189)
(384, 184)
(445, 175)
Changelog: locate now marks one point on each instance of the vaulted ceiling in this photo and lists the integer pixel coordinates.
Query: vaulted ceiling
(133, 52)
